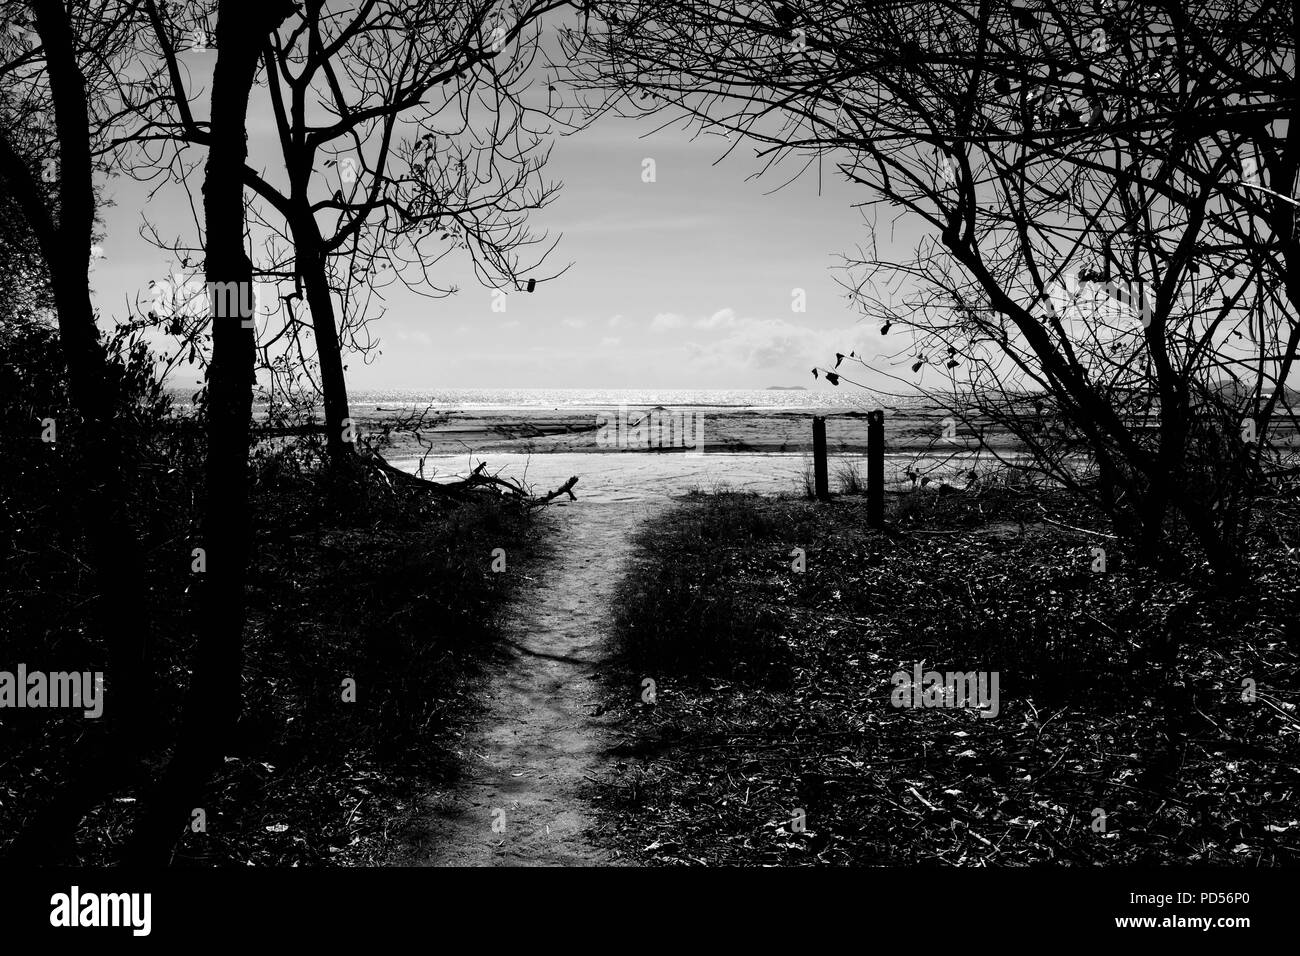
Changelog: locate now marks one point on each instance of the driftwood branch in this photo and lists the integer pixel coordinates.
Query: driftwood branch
(478, 478)
(564, 489)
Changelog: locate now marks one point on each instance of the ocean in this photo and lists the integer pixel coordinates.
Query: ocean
(845, 399)
(590, 398)
(752, 439)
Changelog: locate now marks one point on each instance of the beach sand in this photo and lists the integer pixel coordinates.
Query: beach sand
(639, 453)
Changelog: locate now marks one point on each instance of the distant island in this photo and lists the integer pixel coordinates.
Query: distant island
(786, 388)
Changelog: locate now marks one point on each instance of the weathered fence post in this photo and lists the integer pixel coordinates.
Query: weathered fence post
(876, 468)
(820, 477)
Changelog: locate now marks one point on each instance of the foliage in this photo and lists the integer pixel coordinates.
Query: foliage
(380, 582)
(1118, 690)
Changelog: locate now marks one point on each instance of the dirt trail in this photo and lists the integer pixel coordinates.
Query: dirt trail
(532, 750)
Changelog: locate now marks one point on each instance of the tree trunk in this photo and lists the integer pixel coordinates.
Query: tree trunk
(108, 754)
(1152, 509)
(213, 703)
(1222, 551)
(310, 256)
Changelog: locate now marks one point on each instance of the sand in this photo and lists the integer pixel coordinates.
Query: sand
(520, 800)
(640, 454)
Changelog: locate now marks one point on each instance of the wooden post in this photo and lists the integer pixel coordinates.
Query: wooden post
(820, 476)
(876, 468)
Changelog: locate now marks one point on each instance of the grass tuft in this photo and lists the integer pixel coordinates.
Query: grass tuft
(1119, 691)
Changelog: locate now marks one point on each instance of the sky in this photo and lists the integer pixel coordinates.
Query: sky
(704, 277)
(685, 282)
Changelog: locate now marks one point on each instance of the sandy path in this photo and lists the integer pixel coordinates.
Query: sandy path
(532, 750)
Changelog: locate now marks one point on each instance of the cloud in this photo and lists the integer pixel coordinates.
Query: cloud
(724, 345)
(667, 320)
(722, 319)
(769, 345)
(610, 342)
(574, 323)
(418, 337)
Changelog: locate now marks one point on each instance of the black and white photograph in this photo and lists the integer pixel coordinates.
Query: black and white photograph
(827, 454)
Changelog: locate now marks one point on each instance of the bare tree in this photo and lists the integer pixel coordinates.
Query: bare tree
(213, 702)
(64, 95)
(1114, 148)
(405, 136)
